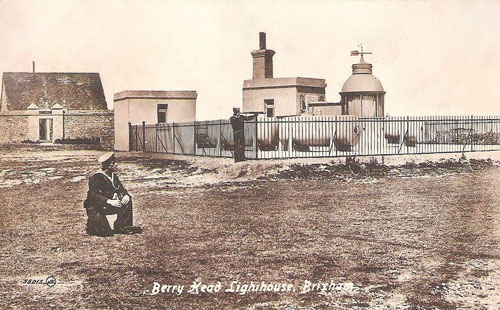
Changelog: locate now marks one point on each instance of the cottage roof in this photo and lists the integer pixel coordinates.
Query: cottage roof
(73, 91)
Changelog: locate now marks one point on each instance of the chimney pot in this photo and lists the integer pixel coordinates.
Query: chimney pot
(262, 40)
(262, 60)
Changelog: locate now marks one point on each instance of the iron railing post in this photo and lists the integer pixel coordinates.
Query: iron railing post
(220, 138)
(136, 137)
(156, 138)
(407, 133)
(129, 136)
(173, 136)
(255, 144)
(143, 136)
(472, 133)
(194, 137)
(335, 137)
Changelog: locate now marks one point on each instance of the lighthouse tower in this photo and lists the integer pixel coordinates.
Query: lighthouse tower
(362, 94)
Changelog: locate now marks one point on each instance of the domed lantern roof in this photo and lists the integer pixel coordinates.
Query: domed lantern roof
(362, 79)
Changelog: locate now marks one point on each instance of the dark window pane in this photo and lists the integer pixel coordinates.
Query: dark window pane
(162, 117)
(269, 107)
(162, 113)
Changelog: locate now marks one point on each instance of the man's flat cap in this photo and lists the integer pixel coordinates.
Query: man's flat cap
(106, 157)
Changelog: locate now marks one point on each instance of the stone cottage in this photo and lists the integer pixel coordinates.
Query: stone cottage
(52, 106)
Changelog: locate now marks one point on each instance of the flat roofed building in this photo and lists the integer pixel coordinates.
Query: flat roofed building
(278, 96)
(285, 96)
(150, 107)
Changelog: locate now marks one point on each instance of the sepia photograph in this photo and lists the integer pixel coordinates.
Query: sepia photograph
(224, 154)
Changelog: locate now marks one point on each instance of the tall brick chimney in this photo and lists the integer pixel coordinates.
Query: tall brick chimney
(262, 59)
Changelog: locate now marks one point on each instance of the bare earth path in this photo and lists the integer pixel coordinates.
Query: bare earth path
(422, 241)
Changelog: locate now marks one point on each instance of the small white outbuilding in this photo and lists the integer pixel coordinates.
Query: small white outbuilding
(150, 107)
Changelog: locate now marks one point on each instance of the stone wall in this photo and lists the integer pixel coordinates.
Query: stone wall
(107, 138)
(13, 127)
(90, 124)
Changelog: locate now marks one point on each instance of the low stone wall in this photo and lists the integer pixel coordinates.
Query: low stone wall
(13, 127)
(86, 124)
(90, 124)
(107, 138)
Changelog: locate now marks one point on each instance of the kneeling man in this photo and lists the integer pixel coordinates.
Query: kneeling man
(107, 196)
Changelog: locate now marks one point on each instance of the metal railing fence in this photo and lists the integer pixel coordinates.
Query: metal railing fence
(322, 136)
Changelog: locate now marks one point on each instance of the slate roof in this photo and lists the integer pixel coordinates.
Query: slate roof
(73, 91)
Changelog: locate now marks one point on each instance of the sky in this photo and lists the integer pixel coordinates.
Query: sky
(432, 57)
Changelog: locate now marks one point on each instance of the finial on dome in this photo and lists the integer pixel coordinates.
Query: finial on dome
(362, 67)
(356, 53)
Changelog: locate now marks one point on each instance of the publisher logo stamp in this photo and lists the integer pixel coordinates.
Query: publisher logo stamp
(50, 281)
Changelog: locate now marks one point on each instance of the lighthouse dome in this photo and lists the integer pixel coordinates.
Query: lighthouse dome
(362, 83)
(362, 79)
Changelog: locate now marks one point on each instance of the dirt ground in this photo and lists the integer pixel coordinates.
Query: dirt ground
(422, 235)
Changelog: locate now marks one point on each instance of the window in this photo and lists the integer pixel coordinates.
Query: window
(162, 113)
(269, 106)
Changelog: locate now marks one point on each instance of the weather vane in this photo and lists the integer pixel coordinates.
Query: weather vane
(356, 52)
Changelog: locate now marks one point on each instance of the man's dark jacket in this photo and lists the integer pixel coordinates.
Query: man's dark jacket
(100, 190)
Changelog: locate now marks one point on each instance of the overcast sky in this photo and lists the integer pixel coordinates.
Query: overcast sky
(433, 58)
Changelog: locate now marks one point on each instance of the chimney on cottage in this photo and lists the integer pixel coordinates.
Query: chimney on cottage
(33, 62)
(262, 59)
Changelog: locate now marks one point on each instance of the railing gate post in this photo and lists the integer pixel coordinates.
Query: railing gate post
(220, 137)
(136, 137)
(335, 136)
(472, 133)
(129, 136)
(143, 136)
(156, 138)
(173, 135)
(194, 137)
(255, 144)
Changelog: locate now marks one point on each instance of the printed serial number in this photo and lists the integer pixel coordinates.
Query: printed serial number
(33, 281)
(50, 281)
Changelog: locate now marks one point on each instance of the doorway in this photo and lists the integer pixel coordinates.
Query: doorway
(46, 129)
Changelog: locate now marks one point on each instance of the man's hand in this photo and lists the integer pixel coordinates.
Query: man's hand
(125, 199)
(115, 203)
